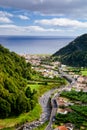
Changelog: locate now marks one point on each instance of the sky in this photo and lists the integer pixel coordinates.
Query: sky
(43, 17)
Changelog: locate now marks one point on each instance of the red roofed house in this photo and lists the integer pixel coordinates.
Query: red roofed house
(61, 128)
(67, 126)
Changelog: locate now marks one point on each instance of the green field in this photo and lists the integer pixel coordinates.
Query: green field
(77, 70)
(41, 87)
(84, 72)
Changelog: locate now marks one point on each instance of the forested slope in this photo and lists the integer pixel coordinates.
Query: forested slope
(75, 53)
(14, 72)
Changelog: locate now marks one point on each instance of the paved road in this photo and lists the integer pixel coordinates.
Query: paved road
(66, 76)
(46, 110)
(53, 101)
(53, 112)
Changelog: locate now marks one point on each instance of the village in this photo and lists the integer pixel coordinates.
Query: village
(51, 71)
(47, 70)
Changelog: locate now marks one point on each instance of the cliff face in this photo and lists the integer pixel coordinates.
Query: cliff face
(75, 53)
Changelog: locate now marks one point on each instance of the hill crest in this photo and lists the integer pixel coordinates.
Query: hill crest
(75, 53)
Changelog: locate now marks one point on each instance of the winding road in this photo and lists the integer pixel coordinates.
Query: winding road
(53, 101)
(47, 113)
(53, 113)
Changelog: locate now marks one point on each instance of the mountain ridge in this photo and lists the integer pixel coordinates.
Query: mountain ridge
(75, 53)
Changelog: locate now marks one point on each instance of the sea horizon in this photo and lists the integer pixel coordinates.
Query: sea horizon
(34, 44)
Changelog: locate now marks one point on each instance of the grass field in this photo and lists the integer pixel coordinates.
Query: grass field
(84, 72)
(41, 88)
(79, 71)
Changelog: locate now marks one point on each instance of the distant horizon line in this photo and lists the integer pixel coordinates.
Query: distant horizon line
(37, 36)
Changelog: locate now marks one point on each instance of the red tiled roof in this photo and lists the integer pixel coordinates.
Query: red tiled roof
(62, 128)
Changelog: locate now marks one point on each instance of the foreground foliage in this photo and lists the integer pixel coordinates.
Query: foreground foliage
(13, 74)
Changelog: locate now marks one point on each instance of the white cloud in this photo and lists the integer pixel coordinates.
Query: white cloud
(26, 30)
(41, 29)
(34, 28)
(62, 22)
(11, 29)
(5, 14)
(4, 17)
(23, 17)
(5, 20)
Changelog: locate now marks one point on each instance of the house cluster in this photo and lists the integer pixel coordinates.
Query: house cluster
(61, 101)
(63, 67)
(47, 72)
(56, 64)
(33, 59)
(63, 104)
(38, 59)
(81, 81)
(81, 84)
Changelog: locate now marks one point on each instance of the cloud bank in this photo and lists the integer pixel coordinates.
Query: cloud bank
(71, 8)
(62, 22)
(43, 17)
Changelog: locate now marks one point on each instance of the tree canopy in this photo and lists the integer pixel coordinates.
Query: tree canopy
(14, 72)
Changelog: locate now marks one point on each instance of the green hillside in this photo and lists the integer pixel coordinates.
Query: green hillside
(14, 72)
(75, 53)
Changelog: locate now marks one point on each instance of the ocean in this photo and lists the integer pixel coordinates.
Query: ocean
(34, 44)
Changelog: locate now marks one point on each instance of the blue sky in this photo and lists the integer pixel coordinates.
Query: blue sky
(43, 17)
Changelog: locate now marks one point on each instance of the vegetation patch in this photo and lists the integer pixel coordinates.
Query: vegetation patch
(84, 72)
(78, 116)
(75, 96)
(42, 127)
(74, 118)
(25, 117)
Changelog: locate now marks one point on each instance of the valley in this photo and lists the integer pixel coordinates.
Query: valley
(44, 92)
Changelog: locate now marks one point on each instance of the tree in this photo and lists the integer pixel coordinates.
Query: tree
(28, 92)
(5, 108)
(22, 104)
